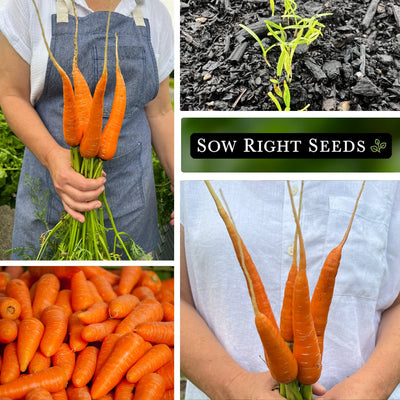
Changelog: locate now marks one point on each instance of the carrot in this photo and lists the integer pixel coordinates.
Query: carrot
(8, 330)
(90, 142)
(46, 293)
(168, 395)
(5, 277)
(124, 390)
(59, 272)
(29, 336)
(157, 332)
(38, 362)
(95, 294)
(323, 292)
(103, 287)
(85, 366)
(83, 97)
(38, 394)
(150, 387)
(143, 292)
(165, 296)
(60, 395)
(109, 138)
(64, 301)
(249, 269)
(27, 278)
(105, 350)
(81, 295)
(108, 396)
(130, 276)
(71, 128)
(305, 343)
(122, 305)
(97, 312)
(52, 379)
(75, 327)
(151, 280)
(65, 358)
(14, 271)
(167, 372)
(98, 331)
(10, 367)
(168, 284)
(147, 310)
(127, 350)
(91, 271)
(10, 308)
(5, 398)
(78, 393)
(19, 290)
(56, 325)
(168, 309)
(154, 359)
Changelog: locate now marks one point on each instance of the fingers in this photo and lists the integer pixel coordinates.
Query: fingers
(318, 389)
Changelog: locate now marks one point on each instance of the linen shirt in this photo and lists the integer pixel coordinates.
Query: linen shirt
(367, 283)
(19, 24)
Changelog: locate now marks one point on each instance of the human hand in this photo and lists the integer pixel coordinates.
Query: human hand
(172, 221)
(78, 194)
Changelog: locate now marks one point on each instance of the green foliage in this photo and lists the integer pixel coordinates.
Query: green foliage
(11, 154)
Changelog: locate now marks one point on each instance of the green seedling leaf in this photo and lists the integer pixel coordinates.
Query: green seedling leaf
(248, 30)
(275, 100)
(286, 96)
(282, 61)
(278, 90)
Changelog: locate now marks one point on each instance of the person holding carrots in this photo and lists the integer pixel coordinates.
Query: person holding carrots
(359, 360)
(31, 98)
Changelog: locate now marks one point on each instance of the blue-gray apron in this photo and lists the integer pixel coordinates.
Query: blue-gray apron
(130, 189)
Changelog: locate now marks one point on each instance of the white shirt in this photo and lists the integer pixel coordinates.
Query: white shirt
(19, 24)
(368, 280)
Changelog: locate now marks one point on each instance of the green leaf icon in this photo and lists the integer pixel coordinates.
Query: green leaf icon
(379, 146)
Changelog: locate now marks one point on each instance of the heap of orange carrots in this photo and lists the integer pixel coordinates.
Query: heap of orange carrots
(293, 351)
(70, 333)
(90, 145)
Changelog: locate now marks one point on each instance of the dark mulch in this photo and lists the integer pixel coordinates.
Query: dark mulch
(355, 65)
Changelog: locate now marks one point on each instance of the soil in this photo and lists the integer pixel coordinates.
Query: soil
(355, 65)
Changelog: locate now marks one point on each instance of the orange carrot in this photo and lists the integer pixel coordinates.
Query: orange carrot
(154, 359)
(14, 271)
(129, 278)
(46, 293)
(5, 277)
(75, 327)
(81, 393)
(81, 295)
(29, 336)
(97, 312)
(124, 390)
(147, 310)
(56, 325)
(250, 271)
(10, 367)
(90, 142)
(167, 372)
(72, 130)
(168, 395)
(105, 349)
(165, 296)
(109, 138)
(323, 292)
(19, 290)
(305, 343)
(157, 332)
(59, 272)
(10, 308)
(90, 271)
(65, 358)
(38, 362)
(103, 287)
(150, 387)
(8, 330)
(143, 292)
(168, 309)
(98, 331)
(127, 350)
(38, 394)
(60, 395)
(168, 284)
(95, 294)
(85, 366)
(151, 280)
(64, 301)
(122, 305)
(52, 379)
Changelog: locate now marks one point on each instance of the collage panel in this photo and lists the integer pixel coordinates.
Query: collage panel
(290, 288)
(266, 55)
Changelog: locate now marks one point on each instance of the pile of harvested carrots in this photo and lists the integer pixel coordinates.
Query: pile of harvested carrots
(86, 333)
(293, 350)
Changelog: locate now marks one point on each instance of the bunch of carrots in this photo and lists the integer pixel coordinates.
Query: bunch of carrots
(90, 145)
(293, 350)
(76, 333)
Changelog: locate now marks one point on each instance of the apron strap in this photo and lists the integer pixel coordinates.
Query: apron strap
(63, 7)
(137, 15)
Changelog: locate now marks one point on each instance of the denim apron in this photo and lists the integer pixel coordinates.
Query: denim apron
(130, 188)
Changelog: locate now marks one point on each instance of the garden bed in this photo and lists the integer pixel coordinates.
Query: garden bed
(355, 65)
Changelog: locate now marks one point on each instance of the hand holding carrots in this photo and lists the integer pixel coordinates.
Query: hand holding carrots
(78, 194)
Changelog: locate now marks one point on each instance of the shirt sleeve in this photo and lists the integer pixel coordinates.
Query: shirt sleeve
(14, 25)
(162, 38)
